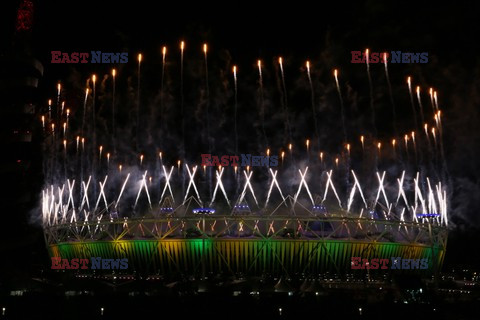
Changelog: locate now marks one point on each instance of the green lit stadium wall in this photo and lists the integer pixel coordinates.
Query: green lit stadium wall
(246, 256)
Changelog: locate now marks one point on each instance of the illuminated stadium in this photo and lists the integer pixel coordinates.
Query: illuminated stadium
(159, 207)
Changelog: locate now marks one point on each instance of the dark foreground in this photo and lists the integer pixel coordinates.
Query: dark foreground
(239, 299)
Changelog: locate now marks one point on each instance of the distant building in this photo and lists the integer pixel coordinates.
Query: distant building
(20, 73)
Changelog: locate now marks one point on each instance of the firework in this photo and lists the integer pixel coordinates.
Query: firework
(281, 203)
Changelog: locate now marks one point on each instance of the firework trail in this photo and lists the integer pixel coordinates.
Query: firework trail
(405, 138)
(84, 110)
(285, 102)
(94, 138)
(138, 101)
(113, 110)
(414, 146)
(182, 98)
(59, 90)
(313, 101)
(164, 53)
(208, 98)
(65, 157)
(420, 104)
(431, 151)
(49, 110)
(430, 92)
(394, 144)
(262, 101)
(394, 113)
(209, 142)
(162, 94)
(414, 113)
(372, 107)
(236, 107)
(362, 140)
(342, 112)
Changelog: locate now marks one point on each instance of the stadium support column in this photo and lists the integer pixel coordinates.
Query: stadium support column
(203, 247)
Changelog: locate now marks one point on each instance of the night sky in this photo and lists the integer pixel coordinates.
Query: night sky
(240, 32)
